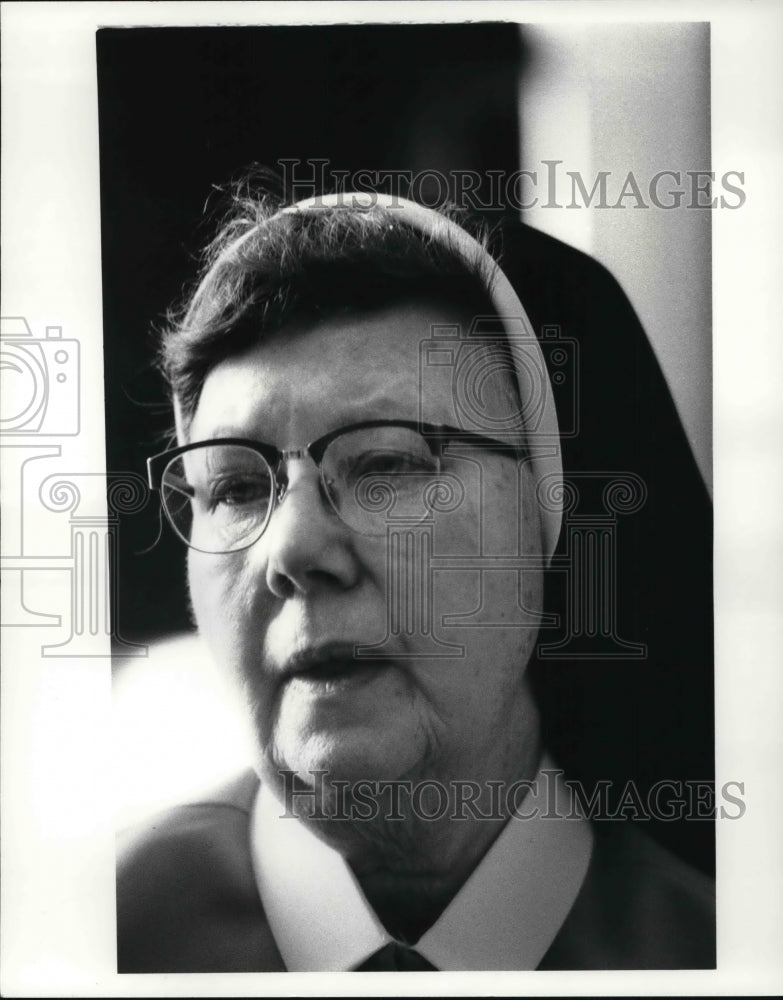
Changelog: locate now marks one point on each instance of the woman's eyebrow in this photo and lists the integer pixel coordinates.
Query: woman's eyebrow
(382, 406)
(228, 431)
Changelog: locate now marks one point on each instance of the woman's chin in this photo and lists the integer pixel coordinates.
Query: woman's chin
(354, 756)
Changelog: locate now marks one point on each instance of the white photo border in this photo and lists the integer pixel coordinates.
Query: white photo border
(58, 918)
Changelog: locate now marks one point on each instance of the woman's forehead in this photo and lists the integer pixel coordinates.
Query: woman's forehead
(394, 362)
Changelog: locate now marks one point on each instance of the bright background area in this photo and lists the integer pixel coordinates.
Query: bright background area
(633, 97)
(177, 729)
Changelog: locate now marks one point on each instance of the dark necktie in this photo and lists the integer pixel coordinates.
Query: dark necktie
(395, 958)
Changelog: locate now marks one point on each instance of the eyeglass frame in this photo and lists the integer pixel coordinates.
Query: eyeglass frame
(437, 437)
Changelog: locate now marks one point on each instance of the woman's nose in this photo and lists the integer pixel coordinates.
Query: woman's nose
(307, 545)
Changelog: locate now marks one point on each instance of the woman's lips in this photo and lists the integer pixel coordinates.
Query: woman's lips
(333, 663)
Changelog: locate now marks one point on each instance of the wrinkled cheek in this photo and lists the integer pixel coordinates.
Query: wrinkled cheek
(204, 595)
(220, 598)
(486, 575)
(487, 607)
(230, 625)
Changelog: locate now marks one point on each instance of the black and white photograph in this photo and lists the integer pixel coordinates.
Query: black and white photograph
(385, 547)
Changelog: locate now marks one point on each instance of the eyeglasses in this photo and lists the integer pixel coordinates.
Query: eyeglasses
(219, 495)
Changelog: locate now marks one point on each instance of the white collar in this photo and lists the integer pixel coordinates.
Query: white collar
(504, 917)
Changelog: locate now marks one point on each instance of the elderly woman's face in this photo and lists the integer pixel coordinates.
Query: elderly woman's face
(286, 614)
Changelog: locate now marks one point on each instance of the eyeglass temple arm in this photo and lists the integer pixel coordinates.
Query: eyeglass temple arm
(179, 484)
(449, 437)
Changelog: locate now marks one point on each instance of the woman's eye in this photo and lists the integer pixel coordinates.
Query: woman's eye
(239, 491)
(391, 463)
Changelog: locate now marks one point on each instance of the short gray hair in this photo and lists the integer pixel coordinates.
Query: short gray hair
(265, 268)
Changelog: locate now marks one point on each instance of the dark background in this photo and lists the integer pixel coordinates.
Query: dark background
(182, 110)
